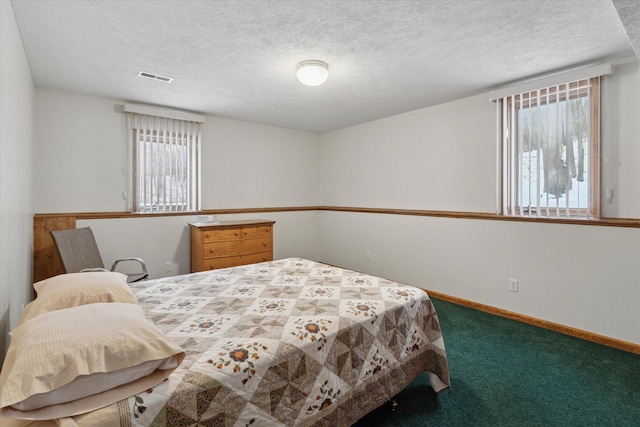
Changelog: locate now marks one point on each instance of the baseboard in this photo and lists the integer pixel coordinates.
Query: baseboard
(567, 330)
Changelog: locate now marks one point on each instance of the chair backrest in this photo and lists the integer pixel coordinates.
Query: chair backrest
(78, 249)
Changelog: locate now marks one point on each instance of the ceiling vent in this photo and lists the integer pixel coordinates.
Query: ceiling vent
(155, 77)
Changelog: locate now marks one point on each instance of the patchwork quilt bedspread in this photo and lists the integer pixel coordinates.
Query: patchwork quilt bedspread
(283, 343)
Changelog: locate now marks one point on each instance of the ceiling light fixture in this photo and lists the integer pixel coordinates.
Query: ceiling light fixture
(312, 72)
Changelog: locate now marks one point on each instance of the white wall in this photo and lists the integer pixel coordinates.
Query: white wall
(79, 154)
(248, 165)
(621, 141)
(79, 168)
(436, 159)
(16, 189)
(443, 158)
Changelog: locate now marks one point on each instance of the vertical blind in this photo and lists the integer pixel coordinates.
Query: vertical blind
(165, 163)
(548, 144)
(550, 140)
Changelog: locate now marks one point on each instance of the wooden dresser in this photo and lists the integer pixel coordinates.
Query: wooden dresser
(230, 243)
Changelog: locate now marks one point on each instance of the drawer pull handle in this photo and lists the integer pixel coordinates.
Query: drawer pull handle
(235, 234)
(211, 250)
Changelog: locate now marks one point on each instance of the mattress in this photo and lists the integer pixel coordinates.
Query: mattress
(282, 343)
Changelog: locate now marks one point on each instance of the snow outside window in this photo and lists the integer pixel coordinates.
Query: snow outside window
(551, 151)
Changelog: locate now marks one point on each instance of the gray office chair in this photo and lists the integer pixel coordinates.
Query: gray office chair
(79, 252)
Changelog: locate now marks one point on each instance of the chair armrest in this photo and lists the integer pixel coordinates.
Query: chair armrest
(140, 260)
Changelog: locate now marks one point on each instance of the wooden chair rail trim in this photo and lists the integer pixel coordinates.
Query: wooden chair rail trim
(566, 330)
(602, 222)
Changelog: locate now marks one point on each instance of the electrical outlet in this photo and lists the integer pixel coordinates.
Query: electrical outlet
(368, 254)
(513, 285)
(168, 267)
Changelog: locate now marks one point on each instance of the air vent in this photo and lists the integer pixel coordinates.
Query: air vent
(155, 77)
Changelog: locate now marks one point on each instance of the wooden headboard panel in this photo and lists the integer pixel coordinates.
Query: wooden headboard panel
(46, 262)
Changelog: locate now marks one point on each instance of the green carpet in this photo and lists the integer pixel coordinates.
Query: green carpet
(507, 373)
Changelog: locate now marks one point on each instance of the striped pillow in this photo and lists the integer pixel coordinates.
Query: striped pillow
(81, 345)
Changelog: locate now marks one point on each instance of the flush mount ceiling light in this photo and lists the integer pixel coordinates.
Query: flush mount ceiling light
(312, 73)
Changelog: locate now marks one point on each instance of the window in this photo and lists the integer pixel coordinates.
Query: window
(550, 148)
(165, 163)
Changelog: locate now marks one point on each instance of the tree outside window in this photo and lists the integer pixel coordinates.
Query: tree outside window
(551, 145)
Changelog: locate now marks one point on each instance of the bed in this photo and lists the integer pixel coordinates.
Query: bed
(279, 343)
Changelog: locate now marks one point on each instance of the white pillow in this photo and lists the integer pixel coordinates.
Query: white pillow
(83, 344)
(86, 385)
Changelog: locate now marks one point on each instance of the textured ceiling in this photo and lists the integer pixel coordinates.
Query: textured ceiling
(237, 59)
(629, 12)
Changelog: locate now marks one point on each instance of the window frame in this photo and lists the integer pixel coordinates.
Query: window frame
(508, 107)
(163, 130)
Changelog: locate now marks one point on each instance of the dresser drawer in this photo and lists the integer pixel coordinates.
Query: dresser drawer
(235, 233)
(232, 248)
(221, 235)
(249, 232)
(212, 264)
